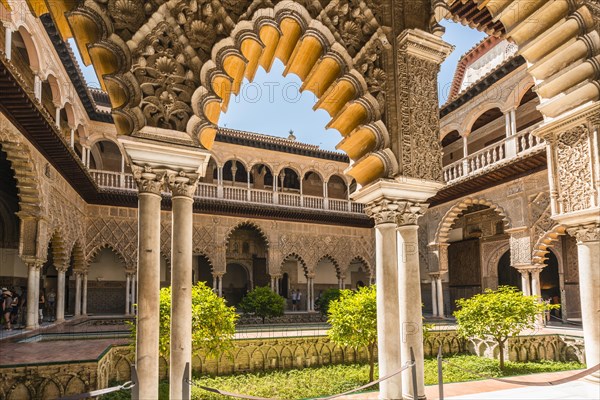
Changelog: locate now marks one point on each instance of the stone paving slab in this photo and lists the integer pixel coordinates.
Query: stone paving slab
(493, 389)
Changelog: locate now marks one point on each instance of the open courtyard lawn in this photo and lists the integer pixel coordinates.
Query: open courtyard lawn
(323, 381)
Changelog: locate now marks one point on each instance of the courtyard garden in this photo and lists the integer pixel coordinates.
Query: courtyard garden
(323, 381)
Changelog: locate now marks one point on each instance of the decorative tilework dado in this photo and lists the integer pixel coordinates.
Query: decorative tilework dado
(61, 379)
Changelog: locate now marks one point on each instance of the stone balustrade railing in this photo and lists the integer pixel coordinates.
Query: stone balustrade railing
(122, 181)
(502, 152)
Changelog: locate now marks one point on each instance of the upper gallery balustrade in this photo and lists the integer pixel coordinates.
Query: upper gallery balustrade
(493, 156)
(235, 192)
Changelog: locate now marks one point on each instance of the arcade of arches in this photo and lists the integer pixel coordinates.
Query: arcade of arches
(169, 69)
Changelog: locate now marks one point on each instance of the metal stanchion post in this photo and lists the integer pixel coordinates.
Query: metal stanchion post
(440, 374)
(134, 379)
(414, 374)
(185, 384)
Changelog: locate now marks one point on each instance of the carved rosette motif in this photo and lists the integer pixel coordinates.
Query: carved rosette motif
(182, 184)
(574, 174)
(148, 180)
(586, 233)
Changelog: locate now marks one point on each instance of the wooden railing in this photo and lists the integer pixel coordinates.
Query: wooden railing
(124, 182)
(502, 152)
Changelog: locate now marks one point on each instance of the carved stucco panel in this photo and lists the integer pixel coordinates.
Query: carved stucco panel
(520, 247)
(418, 119)
(574, 174)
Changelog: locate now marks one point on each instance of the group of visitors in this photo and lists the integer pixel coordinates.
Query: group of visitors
(296, 298)
(14, 307)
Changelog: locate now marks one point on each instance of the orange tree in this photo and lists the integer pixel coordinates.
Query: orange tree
(498, 314)
(353, 320)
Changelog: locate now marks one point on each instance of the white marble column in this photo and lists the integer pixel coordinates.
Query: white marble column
(409, 294)
(388, 321)
(33, 287)
(220, 277)
(308, 286)
(214, 283)
(8, 42)
(60, 294)
(84, 293)
(133, 294)
(127, 293)
(182, 187)
(57, 116)
(535, 283)
(434, 306)
(37, 87)
(146, 359)
(525, 286)
(440, 296)
(77, 293)
(588, 253)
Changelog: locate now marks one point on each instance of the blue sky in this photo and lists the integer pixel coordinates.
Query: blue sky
(272, 104)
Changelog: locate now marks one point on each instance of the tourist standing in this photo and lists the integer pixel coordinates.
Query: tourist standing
(51, 303)
(6, 307)
(41, 303)
(294, 300)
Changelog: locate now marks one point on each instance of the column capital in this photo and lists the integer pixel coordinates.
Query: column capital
(421, 44)
(585, 233)
(149, 180)
(182, 183)
(61, 267)
(33, 263)
(437, 274)
(411, 214)
(398, 212)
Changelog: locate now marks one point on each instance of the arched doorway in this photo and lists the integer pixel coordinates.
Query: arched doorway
(247, 249)
(507, 275)
(474, 225)
(236, 283)
(202, 271)
(550, 282)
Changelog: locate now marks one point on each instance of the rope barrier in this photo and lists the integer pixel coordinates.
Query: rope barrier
(244, 396)
(571, 378)
(94, 393)
(565, 322)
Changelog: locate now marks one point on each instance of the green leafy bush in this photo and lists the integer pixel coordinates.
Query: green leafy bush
(327, 297)
(213, 322)
(263, 303)
(353, 320)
